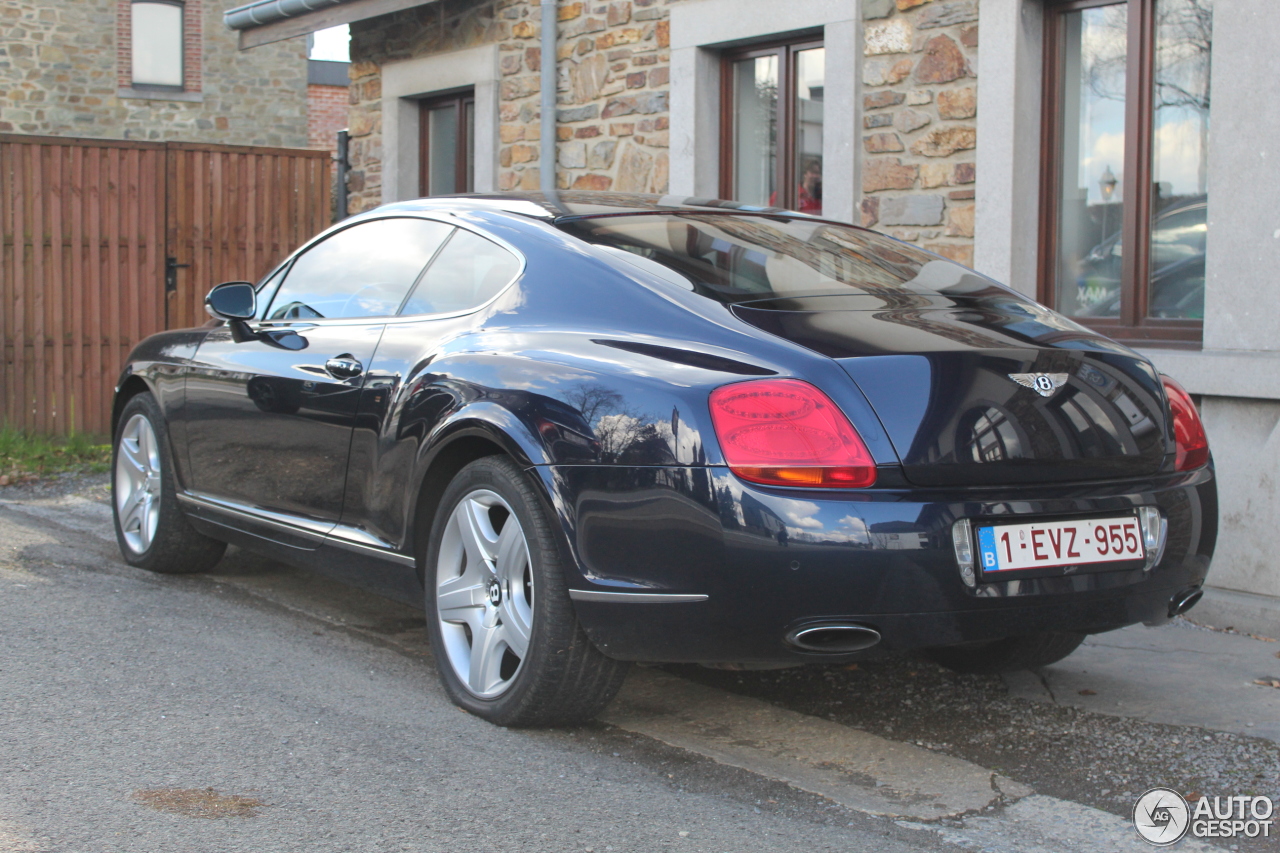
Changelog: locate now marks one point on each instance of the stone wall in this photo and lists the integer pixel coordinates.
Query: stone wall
(612, 96)
(920, 101)
(439, 27)
(61, 67)
(612, 89)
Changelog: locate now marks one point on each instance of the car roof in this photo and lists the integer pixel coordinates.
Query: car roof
(552, 207)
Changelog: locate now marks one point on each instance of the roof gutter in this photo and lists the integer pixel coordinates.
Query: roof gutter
(265, 21)
(262, 12)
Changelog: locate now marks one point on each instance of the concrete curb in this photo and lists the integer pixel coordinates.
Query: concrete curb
(845, 765)
(1244, 611)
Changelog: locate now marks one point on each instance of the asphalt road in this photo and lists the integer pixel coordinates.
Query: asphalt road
(306, 715)
(115, 682)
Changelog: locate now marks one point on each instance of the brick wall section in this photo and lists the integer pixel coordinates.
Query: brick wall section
(920, 101)
(326, 115)
(61, 63)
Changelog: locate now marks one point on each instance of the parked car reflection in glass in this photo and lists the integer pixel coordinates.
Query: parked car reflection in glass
(1177, 267)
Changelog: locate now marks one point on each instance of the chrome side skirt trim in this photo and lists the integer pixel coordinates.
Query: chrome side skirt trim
(315, 530)
(318, 531)
(635, 597)
(345, 544)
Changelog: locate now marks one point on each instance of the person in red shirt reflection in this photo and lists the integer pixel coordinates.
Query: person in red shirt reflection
(809, 193)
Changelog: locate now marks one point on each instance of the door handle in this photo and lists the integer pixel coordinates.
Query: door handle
(343, 367)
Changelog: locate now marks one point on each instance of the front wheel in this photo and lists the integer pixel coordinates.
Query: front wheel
(152, 531)
(1008, 655)
(507, 642)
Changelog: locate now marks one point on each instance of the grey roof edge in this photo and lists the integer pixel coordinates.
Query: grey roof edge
(262, 12)
(328, 72)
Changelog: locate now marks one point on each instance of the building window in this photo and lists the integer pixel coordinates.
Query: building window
(156, 37)
(1123, 182)
(771, 125)
(446, 128)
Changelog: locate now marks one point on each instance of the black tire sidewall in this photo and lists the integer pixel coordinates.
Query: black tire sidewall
(553, 620)
(176, 548)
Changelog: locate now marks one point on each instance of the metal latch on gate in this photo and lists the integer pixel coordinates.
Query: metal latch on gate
(171, 267)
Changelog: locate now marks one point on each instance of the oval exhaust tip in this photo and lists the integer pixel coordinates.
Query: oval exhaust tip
(833, 637)
(1184, 601)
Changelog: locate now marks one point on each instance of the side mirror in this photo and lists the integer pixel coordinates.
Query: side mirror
(232, 300)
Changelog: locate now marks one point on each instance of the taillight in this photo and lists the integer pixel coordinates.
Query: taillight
(1188, 430)
(784, 432)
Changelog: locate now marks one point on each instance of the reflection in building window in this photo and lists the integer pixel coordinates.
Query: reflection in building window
(773, 122)
(991, 437)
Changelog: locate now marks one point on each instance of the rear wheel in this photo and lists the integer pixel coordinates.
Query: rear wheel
(152, 531)
(1008, 655)
(506, 640)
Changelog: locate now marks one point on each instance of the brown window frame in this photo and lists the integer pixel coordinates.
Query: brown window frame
(1132, 326)
(462, 100)
(786, 50)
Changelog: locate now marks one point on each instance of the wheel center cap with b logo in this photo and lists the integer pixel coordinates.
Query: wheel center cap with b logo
(495, 593)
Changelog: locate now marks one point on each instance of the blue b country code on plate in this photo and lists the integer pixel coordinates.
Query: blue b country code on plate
(987, 548)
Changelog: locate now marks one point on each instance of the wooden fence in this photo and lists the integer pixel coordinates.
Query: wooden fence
(104, 242)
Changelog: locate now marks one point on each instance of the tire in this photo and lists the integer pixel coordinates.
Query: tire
(1008, 655)
(151, 530)
(536, 665)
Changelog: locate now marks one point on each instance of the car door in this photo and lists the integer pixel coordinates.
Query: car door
(269, 419)
(405, 385)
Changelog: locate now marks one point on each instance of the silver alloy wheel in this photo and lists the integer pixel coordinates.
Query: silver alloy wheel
(484, 594)
(137, 483)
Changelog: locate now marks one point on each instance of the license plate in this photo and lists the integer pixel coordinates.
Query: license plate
(1051, 544)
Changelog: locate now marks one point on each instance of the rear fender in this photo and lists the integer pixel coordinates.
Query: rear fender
(478, 430)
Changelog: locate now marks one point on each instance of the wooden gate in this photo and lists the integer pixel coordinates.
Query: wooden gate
(104, 242)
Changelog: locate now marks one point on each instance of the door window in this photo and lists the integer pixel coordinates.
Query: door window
(362, 271)
(468, 272)
(446, 127)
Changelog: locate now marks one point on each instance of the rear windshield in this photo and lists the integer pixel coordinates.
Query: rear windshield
(735, 258)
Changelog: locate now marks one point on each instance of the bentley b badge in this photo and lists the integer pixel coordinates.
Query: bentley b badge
(1043, 384)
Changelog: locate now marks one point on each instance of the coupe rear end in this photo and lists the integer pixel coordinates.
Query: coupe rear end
(957, 468)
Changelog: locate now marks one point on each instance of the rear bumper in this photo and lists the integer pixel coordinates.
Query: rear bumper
(770, 560)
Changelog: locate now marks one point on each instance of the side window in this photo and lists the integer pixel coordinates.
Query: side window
(267, 288)
(362, 271)
(468, 272)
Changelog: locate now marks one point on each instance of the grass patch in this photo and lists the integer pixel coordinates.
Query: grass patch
(25, 457)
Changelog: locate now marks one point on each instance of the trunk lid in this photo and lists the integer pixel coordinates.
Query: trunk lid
(939, 371)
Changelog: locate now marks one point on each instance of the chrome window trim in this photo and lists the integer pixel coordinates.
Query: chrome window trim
(444, 219)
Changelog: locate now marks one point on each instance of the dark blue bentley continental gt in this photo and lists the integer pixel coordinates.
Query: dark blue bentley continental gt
(590, 429)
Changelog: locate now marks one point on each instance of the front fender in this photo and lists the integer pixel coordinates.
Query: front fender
(158, 365)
